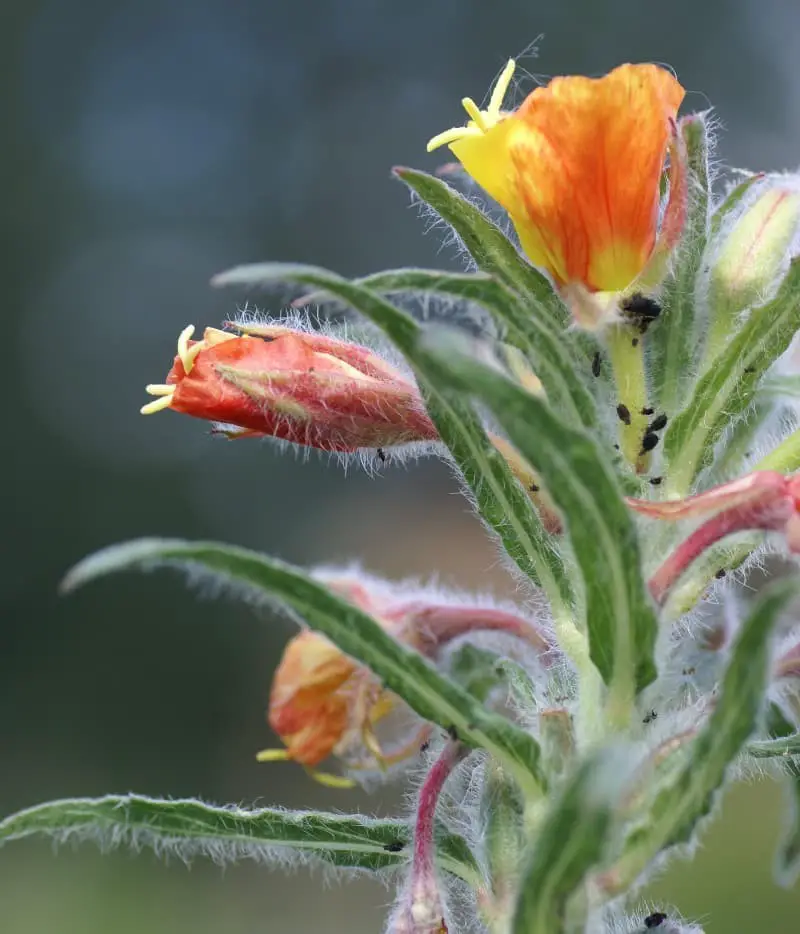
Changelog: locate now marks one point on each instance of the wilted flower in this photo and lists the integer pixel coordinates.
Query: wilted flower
(578, 168)
(303, 387)
(323, 703)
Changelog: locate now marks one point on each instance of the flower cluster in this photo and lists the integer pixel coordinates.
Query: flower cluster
(621, 428)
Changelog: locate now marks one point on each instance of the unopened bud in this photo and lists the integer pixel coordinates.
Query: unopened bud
(303, 387)
(755, 252)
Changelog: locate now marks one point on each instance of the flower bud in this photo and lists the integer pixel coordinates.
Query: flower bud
(754, 253)
(302, 387)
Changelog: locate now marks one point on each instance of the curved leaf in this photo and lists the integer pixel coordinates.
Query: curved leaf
(687, 794)
(403, 670)
(189, 827)
(501, 501)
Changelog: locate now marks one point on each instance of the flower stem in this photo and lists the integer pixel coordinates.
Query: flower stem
(627, 361)
(422, 911)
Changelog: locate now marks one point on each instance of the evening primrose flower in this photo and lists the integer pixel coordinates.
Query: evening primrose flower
(323, 703)
(577, 167)
(303, 387)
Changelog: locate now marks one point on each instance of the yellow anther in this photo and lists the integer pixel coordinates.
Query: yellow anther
(272, 755)
(474, 113)
(481, 121)
(500, 90)
(331, 781)
(157, 405)
(370, 740)
(159, 389)
(185, 352)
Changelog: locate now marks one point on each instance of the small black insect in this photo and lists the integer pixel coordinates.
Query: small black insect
(652, 715)
(720, 574)
(596, 361)
(381, 455)
(616, 447)
(656, 919)
(635, 342)
(533, 488)
(647, 411)
(655, 481)
(394, 847)
(425, 746)
(649, 441)
(749, 369)
(624, 414)
(688, 672)
(640, 311)
(659, 422)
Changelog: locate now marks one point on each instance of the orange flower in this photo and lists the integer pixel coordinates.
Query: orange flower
(322, 703)
(577, 167)
(303, 387)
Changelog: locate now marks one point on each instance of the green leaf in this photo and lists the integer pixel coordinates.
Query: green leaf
(672, 339)
(726, 390)
(687, 794)
(570, 842)
(784, 747)
(529, 326)
(189, 827)
(620, 618)
(501, 501)
(402, 670)
(488, 246)
(476, 670)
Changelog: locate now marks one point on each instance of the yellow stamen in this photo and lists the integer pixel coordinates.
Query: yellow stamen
(370, 740)
(159, 389)
(500, 90)
(157, 405)
(187, 353)
(345, 368)
(331, 781)
(475, 113)
(481, 121)
(272, 755)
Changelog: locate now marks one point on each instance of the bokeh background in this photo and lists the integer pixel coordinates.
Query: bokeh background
(145, 146)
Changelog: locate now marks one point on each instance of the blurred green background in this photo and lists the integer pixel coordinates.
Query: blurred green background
(145, 146)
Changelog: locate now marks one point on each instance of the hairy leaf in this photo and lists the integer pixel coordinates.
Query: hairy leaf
(403, 670)
(501, 501)
(787, 859)
(729, 386)
(687, 794)
(488, 246)
(732, 201)
(570, 842)
(189, 828)
(620, 618)
(550, 349)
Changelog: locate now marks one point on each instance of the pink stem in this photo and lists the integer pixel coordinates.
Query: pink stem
(423, 912)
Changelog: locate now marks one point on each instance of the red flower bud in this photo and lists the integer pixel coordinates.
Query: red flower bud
(302, 387)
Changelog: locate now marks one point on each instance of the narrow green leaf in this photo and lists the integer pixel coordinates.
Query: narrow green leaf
(620, 618)
(688, 793)
(726, 390)
(551, 349)
(476, 670)
(403, 670)
(570, 842)
(784, 747)
(672, 339)
(189, 827)
(501, 501)
(489, 247)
